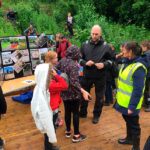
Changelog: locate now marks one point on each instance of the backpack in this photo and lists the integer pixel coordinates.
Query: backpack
(114, 69)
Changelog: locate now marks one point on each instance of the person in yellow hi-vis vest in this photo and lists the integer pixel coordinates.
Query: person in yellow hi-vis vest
(131, 85)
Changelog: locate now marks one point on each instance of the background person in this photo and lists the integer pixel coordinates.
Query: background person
(70, 22)
(31, 30)
(96, 56)
(11, 16)
(146, 51)
(62, 48)
(130, 91)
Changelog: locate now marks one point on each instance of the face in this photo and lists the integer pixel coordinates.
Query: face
(61, 40)
(69, 14)
(55, 60)
(126, 53)
(143, 48)
(95, 34)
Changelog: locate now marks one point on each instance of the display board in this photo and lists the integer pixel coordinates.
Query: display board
(20, 55)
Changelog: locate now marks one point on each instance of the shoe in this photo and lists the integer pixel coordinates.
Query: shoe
(61, 123)
(83, 116)
(56, 147)
(147, 109)
(95, 119)
(106, 104)
(80, 138)
(136, 142)
(68, 134)
(125, 141)
(2, 142)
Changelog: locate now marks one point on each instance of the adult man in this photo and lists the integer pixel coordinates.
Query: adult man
(63, 45)
(96, 56)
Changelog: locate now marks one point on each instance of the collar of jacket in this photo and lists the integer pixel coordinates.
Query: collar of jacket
(100, 42)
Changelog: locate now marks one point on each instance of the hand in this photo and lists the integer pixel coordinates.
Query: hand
(99, 65)
(86, 95)
(54, 73)
(4, 115)
(119, 55)
(130, 111)
(90, 63)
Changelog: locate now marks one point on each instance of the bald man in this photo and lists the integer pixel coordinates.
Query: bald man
(96, 58)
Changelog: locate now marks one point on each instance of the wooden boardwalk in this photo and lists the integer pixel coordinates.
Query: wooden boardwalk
(20, 133)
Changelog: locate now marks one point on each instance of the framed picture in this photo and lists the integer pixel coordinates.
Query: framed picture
(13, 43)
(35, 62)
(42, 53)
(27, 70)
(9, 72)
(25, 55)
(32, 42)
(6, 58)
(34, 53)
(1, 75)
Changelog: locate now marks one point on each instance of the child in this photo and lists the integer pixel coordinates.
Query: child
(51, 57)
(41, 111)
(3, 108)
(72, 95)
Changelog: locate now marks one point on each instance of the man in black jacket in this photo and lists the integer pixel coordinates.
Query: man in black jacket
(96, 57)
(3, 108)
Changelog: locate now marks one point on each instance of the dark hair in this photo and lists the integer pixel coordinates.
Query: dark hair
(32, 23)
(61, 36)
(124, 43)
(146, 44)
(133, 45)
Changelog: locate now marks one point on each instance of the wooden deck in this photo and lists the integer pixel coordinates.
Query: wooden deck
(20, 133)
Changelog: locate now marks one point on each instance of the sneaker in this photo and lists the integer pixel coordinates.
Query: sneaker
(68, 134)
(61, 123)
(80, 138)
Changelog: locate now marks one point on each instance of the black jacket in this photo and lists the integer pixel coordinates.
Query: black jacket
(100, 52)
(3, 106)
(147, 54)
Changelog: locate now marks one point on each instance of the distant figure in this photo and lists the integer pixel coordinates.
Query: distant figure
(11, 16)
(63, 45)
(0, 3)
(31, 30)
(70, 22)
(145, 45)
(3, 108)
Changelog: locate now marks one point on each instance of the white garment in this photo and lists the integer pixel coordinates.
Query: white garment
(40, 104)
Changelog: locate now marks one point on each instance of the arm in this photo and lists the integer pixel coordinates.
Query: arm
(82, 61)
(58, 86)
(26, 31)
(138, 85)
(3, 105)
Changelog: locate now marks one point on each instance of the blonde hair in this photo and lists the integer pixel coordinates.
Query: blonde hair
(50, 56)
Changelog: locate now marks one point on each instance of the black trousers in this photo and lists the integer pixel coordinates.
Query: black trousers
(47, 144)
(70, 28)
(146, 92)
(72, 106)
(100, 85)
(132, 124)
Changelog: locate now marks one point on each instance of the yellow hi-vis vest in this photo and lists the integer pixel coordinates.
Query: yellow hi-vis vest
(125, 85)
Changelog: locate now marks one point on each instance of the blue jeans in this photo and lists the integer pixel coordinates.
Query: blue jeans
(108, 92)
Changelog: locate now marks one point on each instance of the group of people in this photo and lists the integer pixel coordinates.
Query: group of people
(96, 57)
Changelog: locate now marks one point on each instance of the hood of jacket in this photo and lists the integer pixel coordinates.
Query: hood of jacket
(142, 59)
(73, 52)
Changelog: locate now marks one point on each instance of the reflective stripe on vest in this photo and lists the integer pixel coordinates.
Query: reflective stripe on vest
(125, 85)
